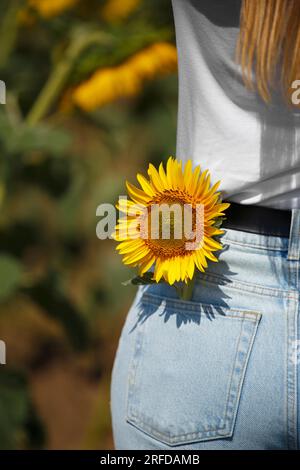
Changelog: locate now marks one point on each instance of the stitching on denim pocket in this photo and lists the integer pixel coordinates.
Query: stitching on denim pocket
(192, 307)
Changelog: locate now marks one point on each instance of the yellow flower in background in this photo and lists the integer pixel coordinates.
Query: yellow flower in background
(115, 10)
(49, 8)
(173, 260)
(126, 79)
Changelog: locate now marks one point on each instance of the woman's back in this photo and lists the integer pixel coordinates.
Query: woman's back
(253, 148)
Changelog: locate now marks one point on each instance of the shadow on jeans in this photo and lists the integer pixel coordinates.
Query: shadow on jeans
(208, 299)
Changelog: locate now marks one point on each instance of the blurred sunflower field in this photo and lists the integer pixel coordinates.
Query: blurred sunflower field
(91, 98)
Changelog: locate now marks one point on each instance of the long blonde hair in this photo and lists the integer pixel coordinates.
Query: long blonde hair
(270, 41)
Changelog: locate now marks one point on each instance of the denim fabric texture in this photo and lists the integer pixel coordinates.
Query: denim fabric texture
(220, 371)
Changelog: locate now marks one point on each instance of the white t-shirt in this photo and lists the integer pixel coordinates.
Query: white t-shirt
(252, 148)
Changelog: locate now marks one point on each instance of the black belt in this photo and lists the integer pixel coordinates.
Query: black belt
(258, 219)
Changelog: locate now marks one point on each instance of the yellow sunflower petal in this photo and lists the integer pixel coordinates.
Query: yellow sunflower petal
(169, 172)
(129, 207)
(146, 265)
(121, 235)
(210, 256)
(130, 246)
(137, 194)
(159, 269)
(177, 273)
(223, 206)
(212, 243)
(171, 272)
(201, 258)
(187, 174)
(136, 256)
(201, 184)
(195, 180)
(183, 268)
(210, 231)
(155, 178)
(198, 261)
(163, 176)
(180, 180)
(165, 269)
(190, 267)
(146, 186)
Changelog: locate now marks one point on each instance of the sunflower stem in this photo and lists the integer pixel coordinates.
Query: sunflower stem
(59, 75)
(8, 31)
(187, 290)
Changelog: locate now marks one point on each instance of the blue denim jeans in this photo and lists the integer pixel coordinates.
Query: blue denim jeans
(220, 371)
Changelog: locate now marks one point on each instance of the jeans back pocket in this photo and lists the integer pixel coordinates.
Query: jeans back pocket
(188, 369)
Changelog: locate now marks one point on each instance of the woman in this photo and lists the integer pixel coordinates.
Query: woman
(222, 371)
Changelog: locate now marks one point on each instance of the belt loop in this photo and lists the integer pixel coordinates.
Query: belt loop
(294, 238)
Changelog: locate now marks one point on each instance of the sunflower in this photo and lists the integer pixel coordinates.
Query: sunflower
(176, 255)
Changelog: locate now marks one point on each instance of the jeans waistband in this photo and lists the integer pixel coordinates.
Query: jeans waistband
(289, 244)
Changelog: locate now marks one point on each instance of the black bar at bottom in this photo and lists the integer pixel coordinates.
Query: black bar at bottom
(134, 459)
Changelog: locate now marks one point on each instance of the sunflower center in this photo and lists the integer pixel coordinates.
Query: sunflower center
(169, 224)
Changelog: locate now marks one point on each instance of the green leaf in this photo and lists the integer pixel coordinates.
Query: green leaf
(22, 138)
(218, 222)
(140, 280)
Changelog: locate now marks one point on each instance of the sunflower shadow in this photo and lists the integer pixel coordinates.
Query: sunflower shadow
(209, 300)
